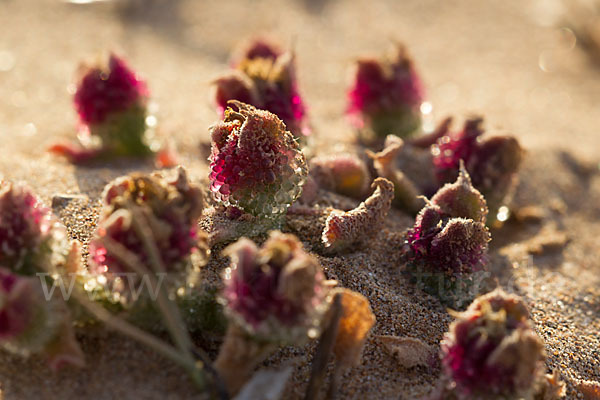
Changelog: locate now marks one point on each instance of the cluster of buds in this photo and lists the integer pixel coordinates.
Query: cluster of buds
(449, 241)
(111, 101)
(342, 173)
(25, 229)
(159, 208)
(493, 163)
(33, 323)
(492, 351)
(256, 165)
(386, 97)
(344, 229)
(273, 295)
(265, 77)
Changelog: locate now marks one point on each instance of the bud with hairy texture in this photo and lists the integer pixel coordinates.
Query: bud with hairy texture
(111, 104)
(255, 164)
(385, 96)
(277, 293)
(449, 241)
(492, 351)
(30, 323)
(265, 77)
(31, 240)
(492, 163)
(170, 207)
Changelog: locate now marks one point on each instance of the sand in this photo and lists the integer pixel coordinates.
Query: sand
(504, 60)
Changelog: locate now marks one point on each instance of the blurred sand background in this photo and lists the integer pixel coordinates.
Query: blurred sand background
(509, 61)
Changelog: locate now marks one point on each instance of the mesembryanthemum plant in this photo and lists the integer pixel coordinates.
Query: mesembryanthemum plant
(492, 352)
(448, 243)
(385, 97)
(111, 102)
(492, 163)
(31, 240)
(256, 165)
(273, 295)
(265, 77)
(161, 207)
(343, 173)
(32, 322)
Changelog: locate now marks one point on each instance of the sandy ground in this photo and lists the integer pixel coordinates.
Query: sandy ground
(500, 59)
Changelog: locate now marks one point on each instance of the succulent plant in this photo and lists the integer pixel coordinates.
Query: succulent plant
(492, 351)
(111, 101)
(492, 163)
(265, 77)
(255, 164)
(342, 173)
(276, 292)
(31, 323)
(385, 97)
(449, 241)
(25, 229)
(31, 239)
(273, 295)
(343, 229)
(168, 205)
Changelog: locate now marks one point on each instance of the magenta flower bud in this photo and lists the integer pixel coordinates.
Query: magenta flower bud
(255, 164)
(492, 351)
(25, 229)
(31, 323)
(448, 243)
(111, 103)
(266, 78)
(385, 97)
(257, 48)
(276, 293)
(170, 206)
(493, 163)
(341, 173)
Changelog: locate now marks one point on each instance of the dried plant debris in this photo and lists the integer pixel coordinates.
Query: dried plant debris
(342, 173)
(408, 352)
(344, 229)
(265, 77)
(355, 324)
(256, 165)
(552, 388)
(406, 195)
(385, 97)
(492, 351)
(589, 389)
(111, 101)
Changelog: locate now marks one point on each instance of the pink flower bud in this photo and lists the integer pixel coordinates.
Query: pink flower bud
(493, 163)
(277, 293)
(255, 164)
(111, 103)
(171, 207)
(31, 323)
(266, 78)
(25, 226)
(492, 351)
(385, 96)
